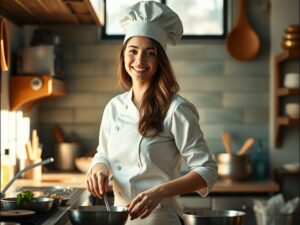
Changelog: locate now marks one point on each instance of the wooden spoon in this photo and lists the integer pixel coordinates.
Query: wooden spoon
(227, 142)
(4, 46)
(242, 42)
(248, 143)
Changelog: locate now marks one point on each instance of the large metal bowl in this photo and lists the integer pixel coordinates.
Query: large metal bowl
(83, 215)
(40, 204)
(213, 217)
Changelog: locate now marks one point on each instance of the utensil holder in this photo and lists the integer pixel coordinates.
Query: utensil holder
(35, 173)
(65, 155)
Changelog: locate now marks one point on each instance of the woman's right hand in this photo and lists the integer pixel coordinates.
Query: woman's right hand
(97, 180)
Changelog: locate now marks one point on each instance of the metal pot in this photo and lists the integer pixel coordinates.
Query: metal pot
(233, 167)
(213, 217)
(65, 155)
(83, 215)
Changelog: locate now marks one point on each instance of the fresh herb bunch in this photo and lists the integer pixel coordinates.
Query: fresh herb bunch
(24, 197)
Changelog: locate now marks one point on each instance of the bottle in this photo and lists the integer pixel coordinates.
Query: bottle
(260, 162)
(7, 168)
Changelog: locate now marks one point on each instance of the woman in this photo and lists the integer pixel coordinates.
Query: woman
(148, 129)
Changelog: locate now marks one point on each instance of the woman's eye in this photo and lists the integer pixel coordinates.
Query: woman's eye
(132, 51)
(151, 53)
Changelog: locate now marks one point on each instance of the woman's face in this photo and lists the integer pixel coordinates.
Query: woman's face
(140, 59)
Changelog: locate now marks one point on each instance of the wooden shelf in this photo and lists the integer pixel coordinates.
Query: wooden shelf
(53, 12)
(288, 91)
(283, 92)
(25, 91)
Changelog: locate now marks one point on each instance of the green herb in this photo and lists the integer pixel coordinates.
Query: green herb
(25, 197)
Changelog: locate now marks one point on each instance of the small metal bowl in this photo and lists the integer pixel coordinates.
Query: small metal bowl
(83, 215)
(39, 204)
(210, 217)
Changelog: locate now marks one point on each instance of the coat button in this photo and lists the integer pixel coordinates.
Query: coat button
(126, 106)
(117, 127)
(119, 167)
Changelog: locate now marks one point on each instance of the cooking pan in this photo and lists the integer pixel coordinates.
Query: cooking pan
(40, 204)
(213, 217)
(83, 215)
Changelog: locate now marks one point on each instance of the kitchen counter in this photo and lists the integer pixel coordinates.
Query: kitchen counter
(77, 180)
(81, 196)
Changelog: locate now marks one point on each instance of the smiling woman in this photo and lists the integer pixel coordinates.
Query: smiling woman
(201, 19)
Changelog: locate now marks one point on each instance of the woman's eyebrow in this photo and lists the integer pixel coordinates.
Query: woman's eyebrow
(148, 48)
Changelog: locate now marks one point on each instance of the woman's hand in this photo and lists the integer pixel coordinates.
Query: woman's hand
(97, 180)
(145, 202)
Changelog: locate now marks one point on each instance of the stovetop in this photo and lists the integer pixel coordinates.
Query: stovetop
(52, 216)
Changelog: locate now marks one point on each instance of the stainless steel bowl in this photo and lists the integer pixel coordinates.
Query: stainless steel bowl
(213, 217)
(233, 167)
(83, 215)
(40, 204)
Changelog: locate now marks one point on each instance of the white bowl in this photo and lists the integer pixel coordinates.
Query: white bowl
(291, 80)
(83, 163)
(292, 110)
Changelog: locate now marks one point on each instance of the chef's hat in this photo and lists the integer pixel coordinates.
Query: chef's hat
(153, 20)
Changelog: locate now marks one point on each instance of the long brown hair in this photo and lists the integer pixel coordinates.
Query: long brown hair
(157, 99)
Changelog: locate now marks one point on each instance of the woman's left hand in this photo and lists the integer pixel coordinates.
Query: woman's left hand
(144, 203)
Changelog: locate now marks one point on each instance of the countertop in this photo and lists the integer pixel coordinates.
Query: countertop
(77, 180)
(81, 195)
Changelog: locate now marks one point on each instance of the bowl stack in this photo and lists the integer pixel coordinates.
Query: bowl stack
(291, 38)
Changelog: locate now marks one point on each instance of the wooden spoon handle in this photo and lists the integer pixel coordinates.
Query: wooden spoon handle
(248, 143)
(227, 142)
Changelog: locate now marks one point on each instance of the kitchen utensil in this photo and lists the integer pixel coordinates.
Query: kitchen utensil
(106, 202)
(58, 134)
(242, 42)
(4, 46)
(83, 215)
(227, 142)
(46, 161)
(213, 217)
(65, 155)
(40, 204)
(246, 146)
(233, 167)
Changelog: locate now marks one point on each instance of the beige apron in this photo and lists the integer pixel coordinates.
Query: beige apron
(163, 214)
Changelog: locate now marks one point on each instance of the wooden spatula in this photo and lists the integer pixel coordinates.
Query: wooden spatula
(246, 146)
(227, 142)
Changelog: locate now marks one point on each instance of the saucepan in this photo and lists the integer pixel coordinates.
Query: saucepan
(83, 215)
(213, 217)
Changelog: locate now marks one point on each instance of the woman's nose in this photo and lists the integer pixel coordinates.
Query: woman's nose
(140, 57)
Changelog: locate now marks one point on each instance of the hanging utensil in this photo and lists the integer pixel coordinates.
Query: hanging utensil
(242, 42)
(248, 143)
(4, 46)
(227, 142)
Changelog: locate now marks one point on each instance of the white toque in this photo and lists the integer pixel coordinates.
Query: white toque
(153, 20)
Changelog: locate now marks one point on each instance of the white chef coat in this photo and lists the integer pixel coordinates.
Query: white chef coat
(138, 163)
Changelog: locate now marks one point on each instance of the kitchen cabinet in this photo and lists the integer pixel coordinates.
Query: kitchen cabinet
(27, 90)
(54, 11)
(282, 93)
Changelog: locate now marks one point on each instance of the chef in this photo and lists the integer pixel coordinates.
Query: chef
(149, 129)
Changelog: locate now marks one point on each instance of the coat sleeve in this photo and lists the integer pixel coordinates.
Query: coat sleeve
(101, 155)
(190, 142)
